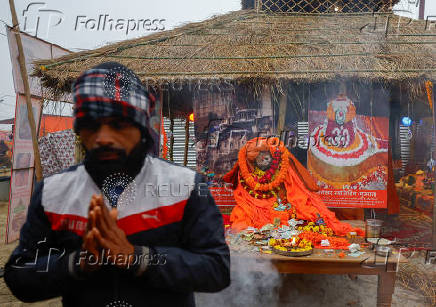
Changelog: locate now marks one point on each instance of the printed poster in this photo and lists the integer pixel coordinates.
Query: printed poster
(224, 122)
(23, 168)
(348, 149)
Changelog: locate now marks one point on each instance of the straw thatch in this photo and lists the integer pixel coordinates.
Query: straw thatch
(419, 278)
(246, 46)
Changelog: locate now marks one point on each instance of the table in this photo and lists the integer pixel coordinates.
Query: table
(321, 263)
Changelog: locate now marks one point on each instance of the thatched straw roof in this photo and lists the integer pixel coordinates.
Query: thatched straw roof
(248, 46)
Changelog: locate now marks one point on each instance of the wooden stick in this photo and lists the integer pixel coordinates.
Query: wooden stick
(185, 158)
(263, 57)
(23, 70)
(281, 72)
(277, 72)
(421, 9)
(434, 189)
(282, 112)
(172, 139)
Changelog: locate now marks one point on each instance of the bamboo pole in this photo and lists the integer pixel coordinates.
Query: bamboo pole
(185, 156)
(434, 175)
(172, 139)
(282, 112)
(23, 70)
(264, 57)
(282, 72)
(303, 43)
(278, 72)
(421, 8)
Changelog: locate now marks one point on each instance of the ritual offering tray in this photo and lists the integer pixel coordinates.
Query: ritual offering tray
(292, 253)
(296, 239)
(293, 247)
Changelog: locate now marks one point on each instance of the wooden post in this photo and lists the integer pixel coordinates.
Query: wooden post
(386, 286)
(421, 9)
(434, 221)
(282, 113)
(172, 139)
(23, 70)
(434, 189)
(267, 108)
(185, 157)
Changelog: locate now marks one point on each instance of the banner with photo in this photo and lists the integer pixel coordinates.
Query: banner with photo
(224, 122)
(22, 169)
(348, 147)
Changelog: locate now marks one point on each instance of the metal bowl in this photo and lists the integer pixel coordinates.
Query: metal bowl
(383, 250)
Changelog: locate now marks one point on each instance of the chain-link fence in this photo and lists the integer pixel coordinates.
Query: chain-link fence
(324, 6)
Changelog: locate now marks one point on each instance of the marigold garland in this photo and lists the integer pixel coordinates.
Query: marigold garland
(429, 89)
(165, 141)
(259, 194)
(316, 238)
(250, 178)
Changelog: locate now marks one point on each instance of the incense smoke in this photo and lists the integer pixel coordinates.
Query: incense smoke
(254, 282)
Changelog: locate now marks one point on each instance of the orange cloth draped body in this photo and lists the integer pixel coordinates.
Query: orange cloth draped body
(257, 212)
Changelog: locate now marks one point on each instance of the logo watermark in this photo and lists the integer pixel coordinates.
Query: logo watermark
(221, 86)
(176, 189)
(104, 22)
(383, 23)
(39, 19)
(430, 257)
(108, 259)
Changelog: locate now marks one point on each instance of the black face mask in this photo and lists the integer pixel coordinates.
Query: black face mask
(129, 165)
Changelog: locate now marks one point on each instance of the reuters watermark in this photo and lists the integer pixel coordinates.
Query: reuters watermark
(176, 190)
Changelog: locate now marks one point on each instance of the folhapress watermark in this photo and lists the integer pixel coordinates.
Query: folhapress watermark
(396, 23)
(39, 19)
(106, 258)
(430, 257)
(104, 22)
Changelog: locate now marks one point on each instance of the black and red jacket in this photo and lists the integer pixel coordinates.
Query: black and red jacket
(172, 221)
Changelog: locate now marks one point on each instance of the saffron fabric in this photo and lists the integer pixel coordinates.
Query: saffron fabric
(257, 212)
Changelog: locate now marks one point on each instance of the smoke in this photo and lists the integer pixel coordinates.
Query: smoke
(254, 282)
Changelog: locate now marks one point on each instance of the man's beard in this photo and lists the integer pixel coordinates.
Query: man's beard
(129, 165)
